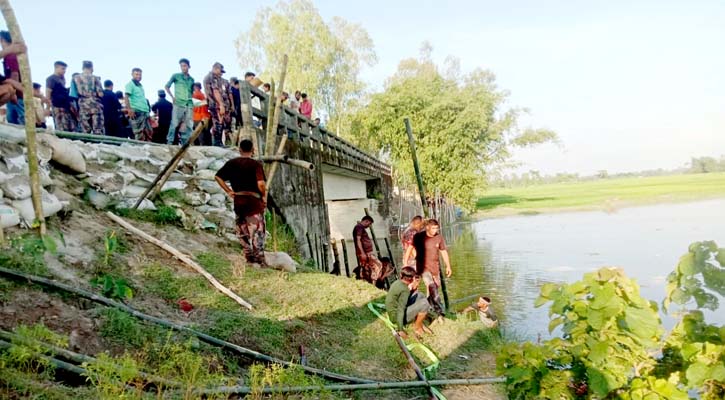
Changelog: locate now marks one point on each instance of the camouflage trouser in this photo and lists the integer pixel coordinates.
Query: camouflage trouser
(92, 120)
(220, 123)
(63, 119)
(251, 232)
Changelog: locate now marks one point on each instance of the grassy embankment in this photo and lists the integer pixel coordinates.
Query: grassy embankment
(604, 194)
(326, 314)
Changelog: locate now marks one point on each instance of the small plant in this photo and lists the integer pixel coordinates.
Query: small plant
(113, 287)
(120, 327)
(110, 377)
(26, 353)
(261, 376)
(163, 215)
(110, 244)
(25, 254)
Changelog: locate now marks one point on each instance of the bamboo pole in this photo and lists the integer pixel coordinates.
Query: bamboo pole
(344, 254)
(414, 156)
(181, 257)
(25, 278)
(412, 363)
(324, 247)
(317, 253)
(164, 175)
(270, 139)
(372, 233)
(352, 387)
(29, 104)
(276, 99)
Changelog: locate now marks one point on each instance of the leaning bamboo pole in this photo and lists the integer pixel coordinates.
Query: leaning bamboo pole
(164, 175)
(275, 122)
(181, 257)
(27, 81)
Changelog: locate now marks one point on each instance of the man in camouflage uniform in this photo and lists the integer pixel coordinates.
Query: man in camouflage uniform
(219, 99)
(90, 93)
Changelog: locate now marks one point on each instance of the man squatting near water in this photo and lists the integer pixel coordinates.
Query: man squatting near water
(405, 304)
(427, 246)
(249, 192)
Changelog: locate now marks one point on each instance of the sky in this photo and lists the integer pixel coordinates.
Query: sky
(627, 85)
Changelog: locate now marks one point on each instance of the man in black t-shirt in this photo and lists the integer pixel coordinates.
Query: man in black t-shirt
(249, 192)
(56, 91)
(164, 110)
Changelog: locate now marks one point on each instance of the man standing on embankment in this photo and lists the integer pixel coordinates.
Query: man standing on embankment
(428, 245)
(249, 192)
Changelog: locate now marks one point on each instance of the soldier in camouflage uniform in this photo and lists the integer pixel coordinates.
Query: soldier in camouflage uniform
(219, 99)
(90, 93)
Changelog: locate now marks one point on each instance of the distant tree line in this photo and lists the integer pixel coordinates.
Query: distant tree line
(697, 165)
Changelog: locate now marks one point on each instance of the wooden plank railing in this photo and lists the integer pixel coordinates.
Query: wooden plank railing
(301, 130)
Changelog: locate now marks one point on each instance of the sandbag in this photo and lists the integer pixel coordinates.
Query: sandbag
(16, 188)
(280, 260)
(51, 205)
(65, 153)
(8, 216)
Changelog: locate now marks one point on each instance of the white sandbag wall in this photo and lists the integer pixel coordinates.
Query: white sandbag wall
(114, 175)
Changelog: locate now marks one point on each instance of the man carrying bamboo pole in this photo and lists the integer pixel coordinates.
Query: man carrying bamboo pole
(248, 190)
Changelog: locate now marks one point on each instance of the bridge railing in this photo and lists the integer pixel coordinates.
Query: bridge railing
(302, 130)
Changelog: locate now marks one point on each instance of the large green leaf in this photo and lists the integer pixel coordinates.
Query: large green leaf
(697, 373)
(643, 323)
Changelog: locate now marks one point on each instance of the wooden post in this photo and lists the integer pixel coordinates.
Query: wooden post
(29, 104)
(245, 96)
(325, 247)
(335, 255)
(418, 176)
(309, 244)
(392, 259)
(344, 255)
(372, 233)
(317, 253)
(164, 175)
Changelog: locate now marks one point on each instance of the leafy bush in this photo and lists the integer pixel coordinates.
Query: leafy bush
(610, 336)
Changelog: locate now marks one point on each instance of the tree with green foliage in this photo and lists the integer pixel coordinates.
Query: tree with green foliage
(325, 57)
(460, 124)
(612, 343)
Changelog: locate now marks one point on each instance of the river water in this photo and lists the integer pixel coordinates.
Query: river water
(510, 258)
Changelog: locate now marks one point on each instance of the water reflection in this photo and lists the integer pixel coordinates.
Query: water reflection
(510, 258)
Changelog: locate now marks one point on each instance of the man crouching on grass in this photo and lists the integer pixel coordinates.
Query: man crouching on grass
(249, 192)
(405, 305)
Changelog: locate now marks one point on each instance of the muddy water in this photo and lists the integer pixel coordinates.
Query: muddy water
(510, 258)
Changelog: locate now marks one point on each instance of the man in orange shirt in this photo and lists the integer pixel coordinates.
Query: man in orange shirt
(201, 112)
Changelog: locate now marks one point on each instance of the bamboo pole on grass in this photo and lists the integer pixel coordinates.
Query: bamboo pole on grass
(181, 257)
(27, 81)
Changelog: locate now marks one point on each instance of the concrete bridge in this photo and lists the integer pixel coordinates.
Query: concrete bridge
(324, 203)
